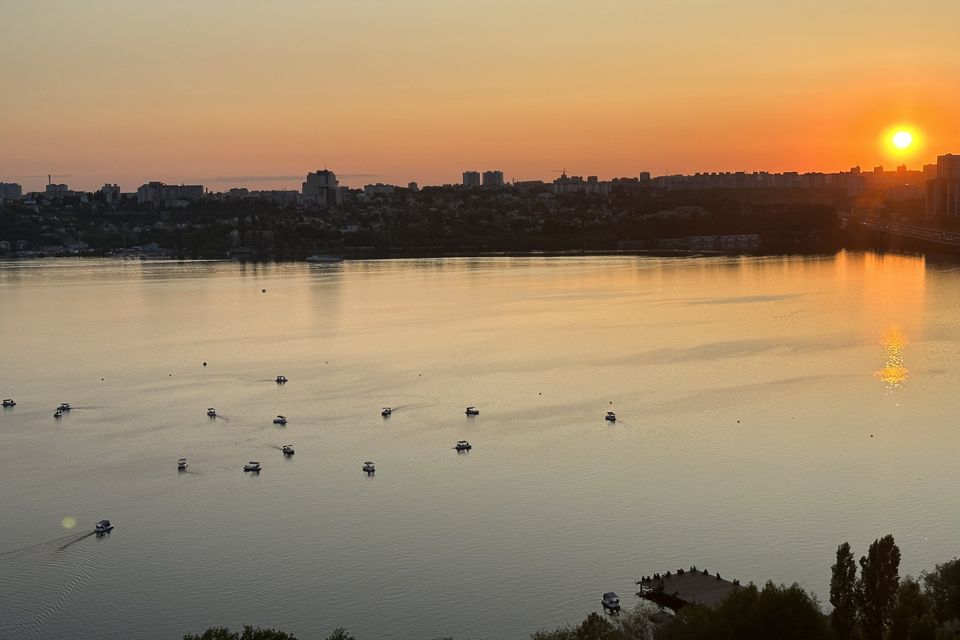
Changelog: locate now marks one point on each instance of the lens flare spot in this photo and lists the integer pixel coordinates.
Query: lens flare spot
(69, 522)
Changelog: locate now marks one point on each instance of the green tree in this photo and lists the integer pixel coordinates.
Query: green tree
(595, 627)
(913, 616)
(943, 586)
(878, 585)
(843, 592)
(562, 633)
(248, 633)
(785, 613)
(340, 634)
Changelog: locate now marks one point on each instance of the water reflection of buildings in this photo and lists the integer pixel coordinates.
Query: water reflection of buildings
(893, 373)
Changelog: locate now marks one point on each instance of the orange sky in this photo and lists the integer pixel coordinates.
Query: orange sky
(392, 90)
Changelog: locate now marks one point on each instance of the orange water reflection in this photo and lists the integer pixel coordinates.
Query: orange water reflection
(893, 372)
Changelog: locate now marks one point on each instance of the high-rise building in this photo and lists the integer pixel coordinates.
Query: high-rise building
(110, 193)
(493, 179)
(322, 188)
(158, 194)
(943, 192)
(10, 191)
(471, 179)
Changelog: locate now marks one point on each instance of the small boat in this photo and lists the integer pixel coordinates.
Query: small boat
(9, 403)
(212, 412)
(368, 467)
(472, 411)
(288, 450)
(253, 465)
(281, 379)
(610, 601)
(65, 406)
(320, 258)
(280, 420)
(385, 413)
(462, 445)
(182, 464)
(103, 527)
(611, 416)
(57, 413)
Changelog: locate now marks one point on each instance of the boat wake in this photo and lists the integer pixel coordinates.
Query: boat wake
(67, 568)
(77, 538)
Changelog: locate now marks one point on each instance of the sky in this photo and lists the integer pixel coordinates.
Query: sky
(252, 93)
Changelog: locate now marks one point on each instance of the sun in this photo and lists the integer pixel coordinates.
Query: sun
(902, 139)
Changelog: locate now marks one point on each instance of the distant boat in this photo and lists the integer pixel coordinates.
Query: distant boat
(472, 411)
(281, 379)
(386, 412)
(462, 445)
(9, 403)
(212, 412)
(57, 413)
(103, 527)
(280, 420)
(288, 449)
(182, 464)
(65, 406)
(253, 465)
(321, 258)
(368, 467)
(610, 601)
(611, 416)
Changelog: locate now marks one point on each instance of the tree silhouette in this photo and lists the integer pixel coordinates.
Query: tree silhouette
(877, 589)
(843, 592)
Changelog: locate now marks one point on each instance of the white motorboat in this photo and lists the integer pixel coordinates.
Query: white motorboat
(9, 403)
(462, 445)
(103, 527)
(472, 411)
(57, 413)
(611, 416)
(280, 420)
(321, 259)
(253, 465)
(65, 406)
(386, 412)
(212, 412)
(610, 601)
(368, 467)
(182, 464)
(288, 450)
(281, 379)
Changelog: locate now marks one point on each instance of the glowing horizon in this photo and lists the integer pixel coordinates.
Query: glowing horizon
(108, 91)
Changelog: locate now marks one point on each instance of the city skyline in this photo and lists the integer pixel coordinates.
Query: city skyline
(415, 92)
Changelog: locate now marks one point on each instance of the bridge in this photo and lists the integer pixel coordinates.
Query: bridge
(936, 235)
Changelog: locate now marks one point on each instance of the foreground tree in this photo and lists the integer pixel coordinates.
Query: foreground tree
(913, 617)
(943, 586)
(785, 613)
(248, 633)
(877, 589)
(843, 593)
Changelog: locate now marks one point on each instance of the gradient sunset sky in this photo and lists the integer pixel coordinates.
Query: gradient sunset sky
(256, 93)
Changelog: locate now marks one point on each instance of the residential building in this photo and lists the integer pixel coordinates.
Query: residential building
(493, 179)
(321, 188)
(158, 194)
(10, 191)
(471, 179)
(110, 193)
(943, 192)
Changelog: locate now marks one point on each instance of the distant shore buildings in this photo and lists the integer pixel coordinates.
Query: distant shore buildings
(321, 188)
(158, 194)
(943, 191)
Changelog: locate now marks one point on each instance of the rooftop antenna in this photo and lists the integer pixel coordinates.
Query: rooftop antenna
(48, 179)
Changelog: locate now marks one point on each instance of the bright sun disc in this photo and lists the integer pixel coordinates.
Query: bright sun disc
(902, 139)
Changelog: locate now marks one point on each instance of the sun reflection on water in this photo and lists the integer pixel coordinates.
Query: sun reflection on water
(893, 373)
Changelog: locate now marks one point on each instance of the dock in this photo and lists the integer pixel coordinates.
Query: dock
(675, 590)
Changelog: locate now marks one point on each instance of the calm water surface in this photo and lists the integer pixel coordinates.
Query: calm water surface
(769, 409)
